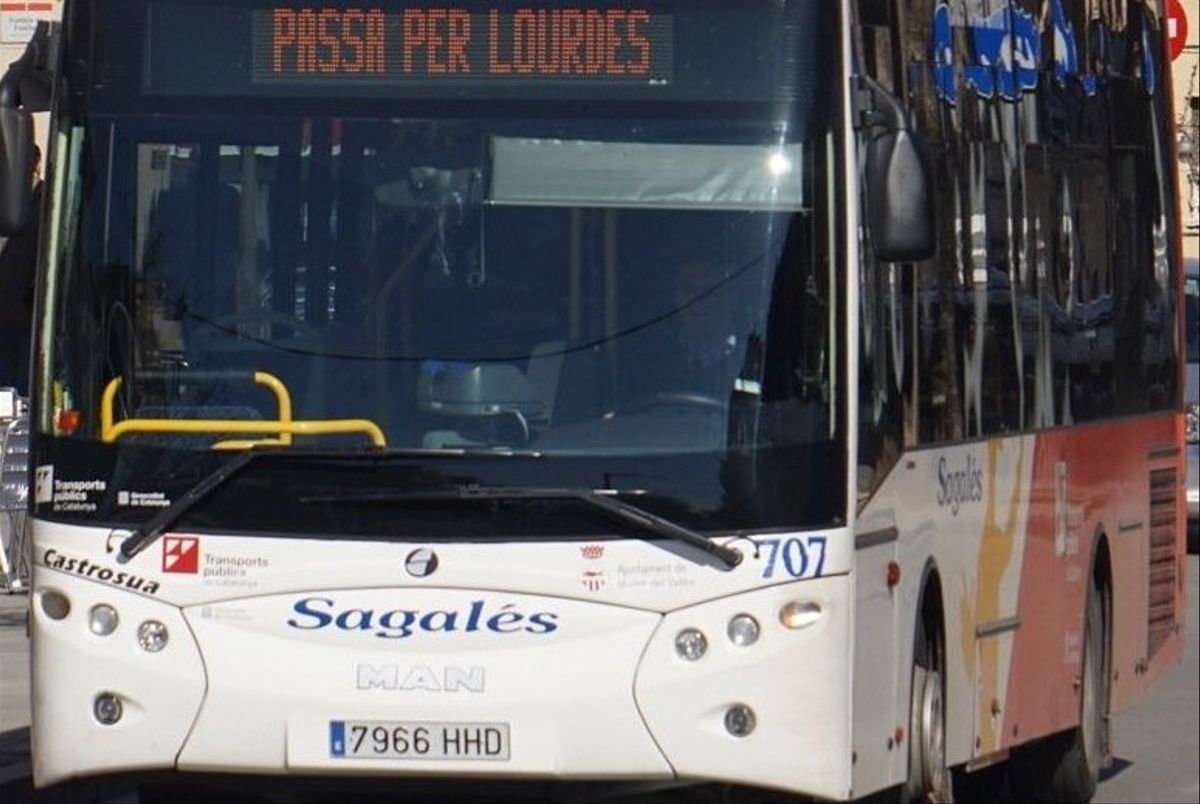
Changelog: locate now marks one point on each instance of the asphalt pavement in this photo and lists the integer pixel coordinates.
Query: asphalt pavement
(1155, 745)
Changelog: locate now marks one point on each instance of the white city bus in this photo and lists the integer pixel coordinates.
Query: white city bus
(779, 394)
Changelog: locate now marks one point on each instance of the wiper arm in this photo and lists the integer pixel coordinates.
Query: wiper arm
(606, 502)
(661, 526)
(145, 534)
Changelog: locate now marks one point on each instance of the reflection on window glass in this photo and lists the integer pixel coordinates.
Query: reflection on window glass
(384, 257)
(381, 272)
(1193, 319)
(634, 280)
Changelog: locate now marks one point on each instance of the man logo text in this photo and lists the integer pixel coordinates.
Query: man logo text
(420, 677)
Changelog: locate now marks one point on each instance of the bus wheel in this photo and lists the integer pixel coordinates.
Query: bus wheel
(928, 777)
(1078, 771)
(1066, 767)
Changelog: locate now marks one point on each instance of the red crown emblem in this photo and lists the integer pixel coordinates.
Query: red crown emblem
(592, 551)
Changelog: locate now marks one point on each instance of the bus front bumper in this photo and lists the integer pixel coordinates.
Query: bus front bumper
(506, 686)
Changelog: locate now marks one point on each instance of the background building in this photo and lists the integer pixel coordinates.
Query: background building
(1186, 70)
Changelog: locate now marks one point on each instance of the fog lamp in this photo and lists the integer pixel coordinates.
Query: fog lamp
(107, 708)
(690, 644)
(56, 605)
(740, 720)
(743, 630)
(152, 636)
(102, 619)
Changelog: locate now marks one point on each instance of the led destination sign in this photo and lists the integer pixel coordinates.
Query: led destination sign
(292, 52)
(429, 45)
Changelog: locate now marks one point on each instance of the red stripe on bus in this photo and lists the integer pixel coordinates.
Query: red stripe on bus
(12, 7)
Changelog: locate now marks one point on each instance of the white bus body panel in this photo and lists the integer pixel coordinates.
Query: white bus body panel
(974, 536)
(291, 635)
(796, 681)
(566, 695)
(662, 576)
(161, 692)
(878, 709)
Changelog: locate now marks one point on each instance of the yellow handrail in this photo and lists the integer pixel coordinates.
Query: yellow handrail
(284, 427)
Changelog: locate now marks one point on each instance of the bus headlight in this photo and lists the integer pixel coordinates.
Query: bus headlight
(691, 644)
(152, 636)
(743, 630)
(103, 619)
(107, 708)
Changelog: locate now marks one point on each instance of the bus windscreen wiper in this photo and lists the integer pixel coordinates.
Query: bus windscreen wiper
(601, 500)
(145, 534)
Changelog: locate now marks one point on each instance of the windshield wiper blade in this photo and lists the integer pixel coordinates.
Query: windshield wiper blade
(661, 526)
(601, 500)
(146, 533)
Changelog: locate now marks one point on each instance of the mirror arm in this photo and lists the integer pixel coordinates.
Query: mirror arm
(876, 107)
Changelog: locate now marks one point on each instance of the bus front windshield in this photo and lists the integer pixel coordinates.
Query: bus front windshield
(590, 248)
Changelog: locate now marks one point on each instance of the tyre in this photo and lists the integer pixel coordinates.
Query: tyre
(1066, 767)
(929, 778)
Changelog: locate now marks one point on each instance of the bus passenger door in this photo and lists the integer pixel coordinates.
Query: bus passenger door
(882, 637)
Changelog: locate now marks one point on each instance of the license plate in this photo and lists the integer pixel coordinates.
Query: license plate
(389, 739)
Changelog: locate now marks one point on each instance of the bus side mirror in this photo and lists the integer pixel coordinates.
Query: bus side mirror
(26, 87)
(899, 205)
(899, 202)
(16, 160)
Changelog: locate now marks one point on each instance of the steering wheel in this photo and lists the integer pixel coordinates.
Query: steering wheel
(691, 399)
